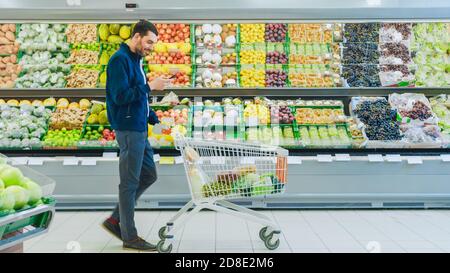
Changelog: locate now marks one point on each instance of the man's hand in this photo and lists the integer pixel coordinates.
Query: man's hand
(159, 83)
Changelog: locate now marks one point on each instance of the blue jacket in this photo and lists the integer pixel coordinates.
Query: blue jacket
(127, 92)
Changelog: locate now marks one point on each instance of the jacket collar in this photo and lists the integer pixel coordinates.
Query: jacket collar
(125, 47)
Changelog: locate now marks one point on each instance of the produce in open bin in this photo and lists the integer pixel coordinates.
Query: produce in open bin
(95, 136)
(42, 37)
(216, 35)
(281, 114)
(253, 54)
(170, 53)
(22, 126)
(173, 33)
(83, 77)
(362, 32)
(275, 54)
(114, 33)
(252, 76)
(441, 106)
(275, 32)
(313, 76)
(312, 54)
(42, 70)
(378, 117)
(282, 136)
(84, 54)
(9, 71)
(360, 53)
(215, 57)
(216, 77)
(256, 114)
(61, 138)
(319, 116)
(312, 33)
(395, 32)
(182, 74)
(81, 33)
(98, 114)
(276, 77)
(8, 43)
(431, 54)
(361, 75)
(414, 108)
(69, 116)
(252, 33)
(324, 136)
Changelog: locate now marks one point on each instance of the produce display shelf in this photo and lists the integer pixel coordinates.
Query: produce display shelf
(222, 92)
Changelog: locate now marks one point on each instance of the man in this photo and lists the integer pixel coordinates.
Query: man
(129, 113)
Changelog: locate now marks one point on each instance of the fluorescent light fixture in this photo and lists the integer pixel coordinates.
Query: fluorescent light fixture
(373, 3)
(73, 2)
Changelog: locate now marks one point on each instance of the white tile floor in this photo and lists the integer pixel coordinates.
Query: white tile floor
(333, 231)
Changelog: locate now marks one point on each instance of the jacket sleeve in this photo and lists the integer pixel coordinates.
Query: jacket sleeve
(119, 87)
(152, 117)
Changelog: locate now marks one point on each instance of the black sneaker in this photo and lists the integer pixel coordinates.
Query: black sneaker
(139, 244)
(114, 229)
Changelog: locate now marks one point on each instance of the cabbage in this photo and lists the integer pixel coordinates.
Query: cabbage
(21, 196)
(7, 201)
(34, 190)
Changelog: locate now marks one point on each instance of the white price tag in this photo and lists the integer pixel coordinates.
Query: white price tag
(415, 160)
(73, 161)
(324, 158)
(294, 160)
(19, 161)
(156, 157)
(179, 160)
(253, 121)
(343, 157)
(110, 154)
(375, 158)
(89, 162)
(36, 161)
(445, 158)
(393, 158)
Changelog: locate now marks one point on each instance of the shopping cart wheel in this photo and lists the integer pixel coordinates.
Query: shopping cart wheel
(262, 234)
(162, 233)
(271, 245)
(161, 249)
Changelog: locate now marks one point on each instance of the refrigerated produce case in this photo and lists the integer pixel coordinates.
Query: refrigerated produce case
(325, 57)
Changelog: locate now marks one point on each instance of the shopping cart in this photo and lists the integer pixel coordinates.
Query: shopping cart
(218, 171)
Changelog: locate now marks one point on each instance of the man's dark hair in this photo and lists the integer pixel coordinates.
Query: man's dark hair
(144, 26)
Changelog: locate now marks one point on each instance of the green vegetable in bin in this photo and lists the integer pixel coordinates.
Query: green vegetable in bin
(263, 186)
(243, 187)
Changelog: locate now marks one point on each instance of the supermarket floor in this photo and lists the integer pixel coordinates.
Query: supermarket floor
(303, 231)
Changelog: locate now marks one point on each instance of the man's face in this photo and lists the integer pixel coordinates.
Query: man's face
(145, 43)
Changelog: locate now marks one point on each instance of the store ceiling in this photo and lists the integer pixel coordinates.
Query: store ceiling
(224, 10)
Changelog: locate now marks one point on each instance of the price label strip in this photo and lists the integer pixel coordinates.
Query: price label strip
(415, 160)
(375, 158)
(393, 158)
(167, 160)
(70, 161)
(324, 158)
(89, 162)
(343, 157)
